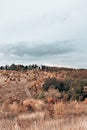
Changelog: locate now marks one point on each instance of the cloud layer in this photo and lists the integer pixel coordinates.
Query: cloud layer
(48, 27)
(59, 53)
(36, 50)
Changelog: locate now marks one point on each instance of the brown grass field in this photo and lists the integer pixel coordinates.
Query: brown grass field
(70, 123)
(22, 108)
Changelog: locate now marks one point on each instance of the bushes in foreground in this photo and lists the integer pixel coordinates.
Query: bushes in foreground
(56, 84)
(68, 89)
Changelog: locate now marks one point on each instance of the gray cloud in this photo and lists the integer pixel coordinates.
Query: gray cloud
(24, 49)
(60, 53)
(49, 21)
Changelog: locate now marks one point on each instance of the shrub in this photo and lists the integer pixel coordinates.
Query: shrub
(66, 96)
(77, 93)
(59, 110)
(53, 82)
(40, 95)
(68, 89)
(67, 85)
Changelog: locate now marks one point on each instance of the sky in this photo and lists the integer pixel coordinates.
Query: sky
(49, 32)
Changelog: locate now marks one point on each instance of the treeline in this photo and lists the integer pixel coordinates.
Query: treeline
(19, 67)
(35, 67)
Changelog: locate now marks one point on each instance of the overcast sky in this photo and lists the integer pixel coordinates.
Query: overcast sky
(51, 32)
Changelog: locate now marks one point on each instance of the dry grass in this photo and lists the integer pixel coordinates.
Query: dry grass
(72, 108)
(43, 116)
(72, 123)
(64, 116)
(32, 116)
(59, 110)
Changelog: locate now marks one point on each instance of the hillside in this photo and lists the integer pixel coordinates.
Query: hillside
(52, 93)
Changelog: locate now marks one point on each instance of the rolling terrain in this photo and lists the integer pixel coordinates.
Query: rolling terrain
(43, 96)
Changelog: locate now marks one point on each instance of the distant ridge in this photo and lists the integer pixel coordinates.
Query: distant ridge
(19, 67)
